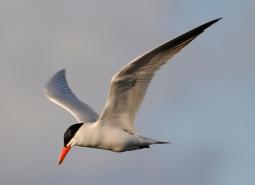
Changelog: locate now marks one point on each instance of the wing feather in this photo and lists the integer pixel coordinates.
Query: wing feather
(129, 85)
(59, 92)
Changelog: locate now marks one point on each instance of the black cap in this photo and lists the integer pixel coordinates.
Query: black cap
(70, 132)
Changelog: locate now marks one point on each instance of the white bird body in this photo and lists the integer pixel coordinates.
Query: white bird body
(109, 138)
(114, 129)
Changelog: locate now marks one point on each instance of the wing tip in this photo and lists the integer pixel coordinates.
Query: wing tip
(216, 20)
(206, 25)
(61, 72)
(203, 27)
(54, 80)
(192, 34)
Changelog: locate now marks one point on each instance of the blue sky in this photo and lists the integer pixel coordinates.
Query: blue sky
(202, 101)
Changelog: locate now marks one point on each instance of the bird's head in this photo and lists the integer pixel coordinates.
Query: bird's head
(69, 140)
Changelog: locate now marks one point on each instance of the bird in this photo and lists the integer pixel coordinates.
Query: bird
(114, 128)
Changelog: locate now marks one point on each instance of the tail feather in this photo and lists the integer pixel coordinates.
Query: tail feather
(149, 141)
(163, 142)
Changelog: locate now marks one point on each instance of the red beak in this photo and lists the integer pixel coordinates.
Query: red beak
(63, 154)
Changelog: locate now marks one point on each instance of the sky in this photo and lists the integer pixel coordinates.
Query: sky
(202, 100)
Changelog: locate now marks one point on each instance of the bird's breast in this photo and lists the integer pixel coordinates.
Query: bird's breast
(108, 138)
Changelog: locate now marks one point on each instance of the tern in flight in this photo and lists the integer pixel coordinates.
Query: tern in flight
(114, 128)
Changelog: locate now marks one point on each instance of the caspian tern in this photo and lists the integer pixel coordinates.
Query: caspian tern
(114, 129)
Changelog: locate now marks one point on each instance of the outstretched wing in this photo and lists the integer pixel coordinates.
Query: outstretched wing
(58, 91)
(129, 85)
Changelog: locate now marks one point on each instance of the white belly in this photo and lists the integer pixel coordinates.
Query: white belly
(107, 138)
(118, 140)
